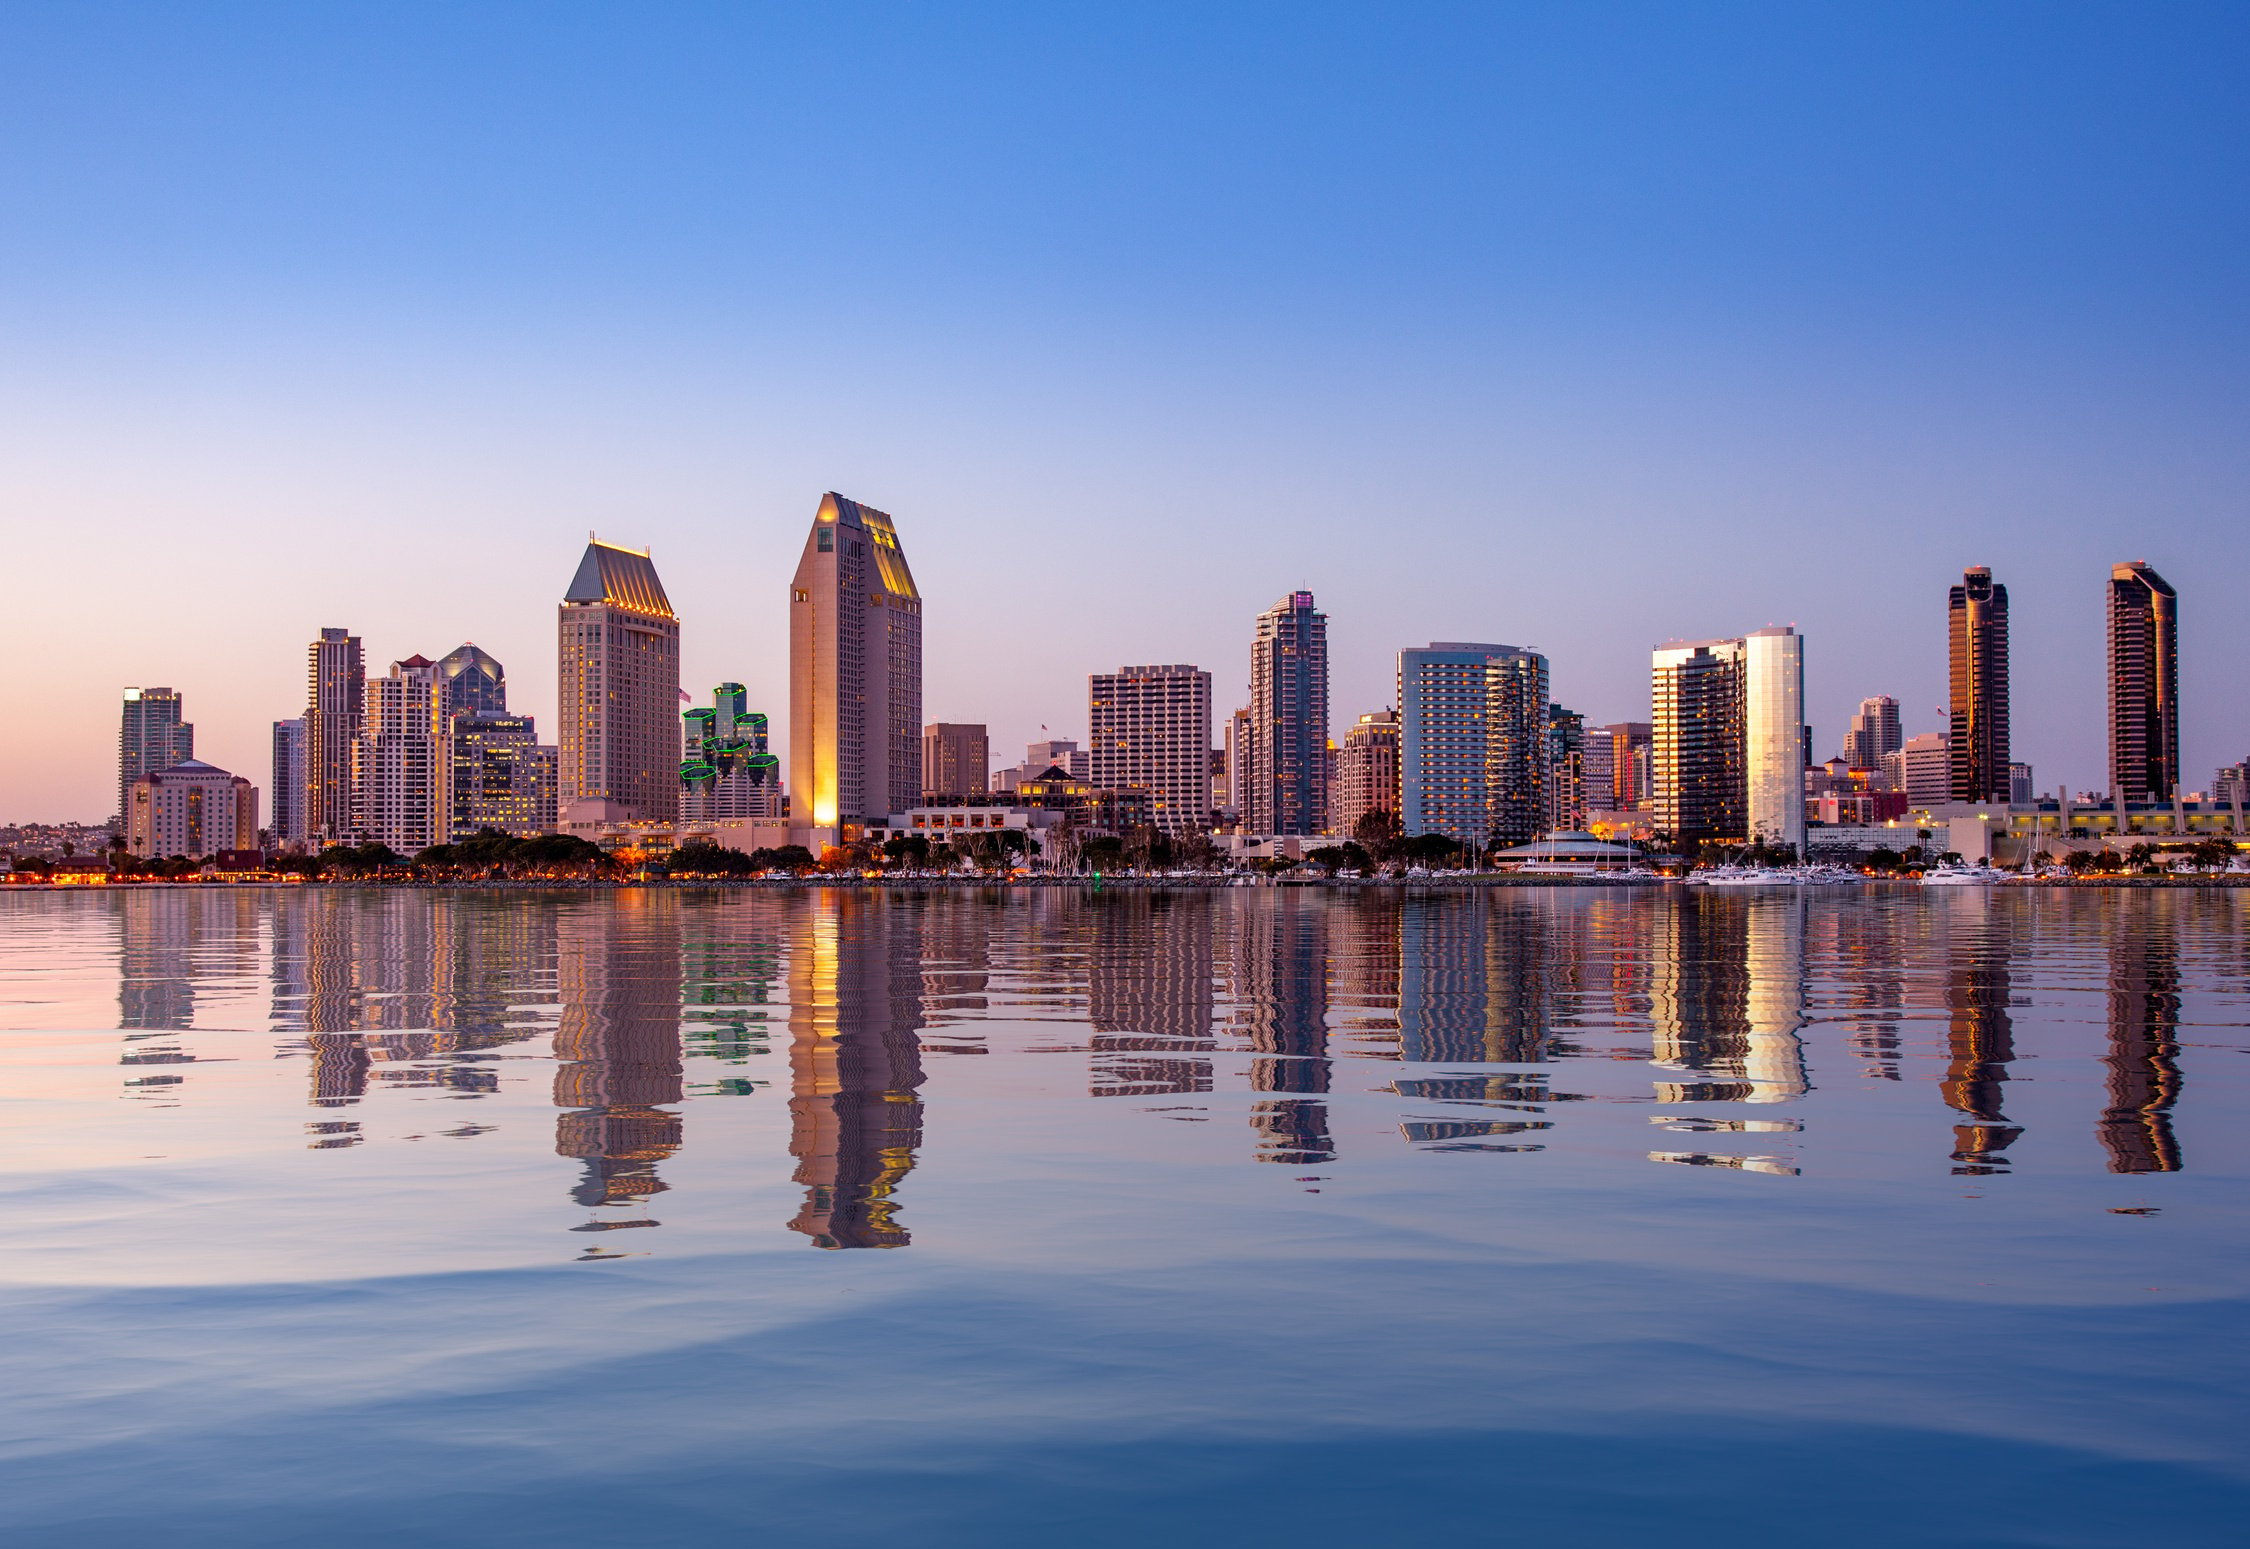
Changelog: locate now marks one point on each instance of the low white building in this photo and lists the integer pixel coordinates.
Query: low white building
(191, 809)
(942, 825)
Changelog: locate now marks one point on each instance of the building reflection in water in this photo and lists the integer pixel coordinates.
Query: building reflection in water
(416, 988)
(1727, 995)
(167, 940)
(1478, 976)
(406, 988)
(1280, 974)
(1149, 993)
(617, 1042)
(1871, 982)
(2143, 1057)
(1365, 957)
(1979, 1030)
(855, 1063)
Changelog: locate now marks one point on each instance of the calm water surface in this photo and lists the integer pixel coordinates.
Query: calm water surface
(1562, 1216)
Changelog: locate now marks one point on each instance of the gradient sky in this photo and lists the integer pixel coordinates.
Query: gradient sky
(1581, 327)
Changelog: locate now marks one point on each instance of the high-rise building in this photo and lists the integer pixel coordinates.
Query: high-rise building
(956, 759)
(1237, 748)
(399, 762)
(1874, 732)
(619, 648)
(150, 736)
(473, 680)
(855, 670)
(2021, 787)
(1288, 788)
(1367, 770)
(1617, 767)
(1517, 755)
(1727, 748)
(1150, 729)
(2144, 685)
(1923, 769)
(1444, 699)
(499, 775)
(1977, 635)
(725, 768)
(335, 700)
(1773, 687)
(288, 824)
(1566, 769)
(190, 809)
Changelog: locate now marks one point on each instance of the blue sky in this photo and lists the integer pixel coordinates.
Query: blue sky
(1582, 327)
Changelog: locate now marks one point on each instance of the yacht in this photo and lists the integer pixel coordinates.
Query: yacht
(1948, 875)
(1744, 876)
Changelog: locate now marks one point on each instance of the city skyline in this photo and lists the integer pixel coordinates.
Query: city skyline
(1522, 741)
(1603, 358)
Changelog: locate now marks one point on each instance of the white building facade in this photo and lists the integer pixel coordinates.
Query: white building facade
(190, 809)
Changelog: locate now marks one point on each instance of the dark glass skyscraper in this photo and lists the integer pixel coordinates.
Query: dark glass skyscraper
(1977, 633)
(474, 681)
(2144, 685)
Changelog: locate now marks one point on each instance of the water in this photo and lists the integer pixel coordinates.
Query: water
(1557, 1216)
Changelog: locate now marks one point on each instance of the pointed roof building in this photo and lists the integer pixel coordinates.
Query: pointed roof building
(618, 649)
(622, 578)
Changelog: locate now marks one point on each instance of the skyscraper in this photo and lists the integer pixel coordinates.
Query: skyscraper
(150, 736)
(956, 759)
(619, 645)
(399, 761)
(289, 781)
(855, 670)
(1516, 750)
(1150, 727)
(1977, 633)
(1237, 753)
(1773, 689)
(1444, 703)
(1728, 739)
(1566, 769)
(1288, 789)
(473, 680)
(1367, 770)
(335, 698)
(2144, 685)
(1874, 731)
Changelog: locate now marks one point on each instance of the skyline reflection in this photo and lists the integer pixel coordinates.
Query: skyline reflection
(1334, 1027)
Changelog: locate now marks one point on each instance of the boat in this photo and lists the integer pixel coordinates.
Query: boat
(1946, 874)
(1744, 876)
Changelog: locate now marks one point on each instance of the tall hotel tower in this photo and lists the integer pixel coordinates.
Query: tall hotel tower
(1977, 636)
(619, 647)
(855, 671)
(335, 699)
(1727, 755)
(151, 737)
(1289, 767)
(1151, 727)
(2144, 685)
